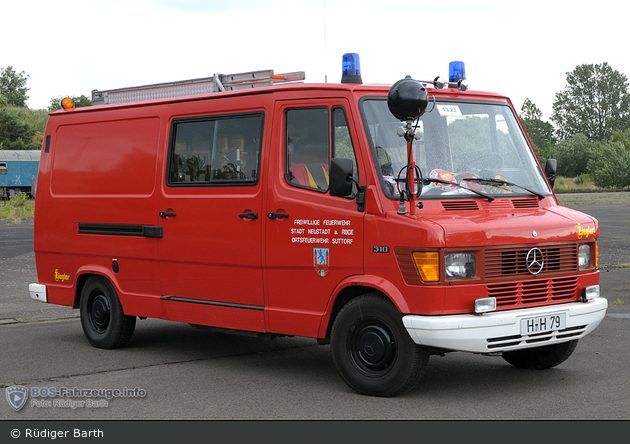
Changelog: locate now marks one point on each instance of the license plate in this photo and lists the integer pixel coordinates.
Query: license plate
(543, 324)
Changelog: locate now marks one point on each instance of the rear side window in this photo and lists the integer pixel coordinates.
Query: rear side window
(216, 150)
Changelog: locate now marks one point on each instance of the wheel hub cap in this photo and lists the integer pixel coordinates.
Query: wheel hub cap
(100, 312)
(374, 347)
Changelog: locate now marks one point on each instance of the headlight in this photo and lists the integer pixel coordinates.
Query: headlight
(584, 256)
(459, 265)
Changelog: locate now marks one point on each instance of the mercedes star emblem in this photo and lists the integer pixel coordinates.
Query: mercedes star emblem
(535, 261)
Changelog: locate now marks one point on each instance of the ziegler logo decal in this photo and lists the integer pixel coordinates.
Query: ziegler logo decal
(321, 261)
(60, 277)
(584, 232)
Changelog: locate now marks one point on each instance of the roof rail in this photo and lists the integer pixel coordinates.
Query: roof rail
(216, 83)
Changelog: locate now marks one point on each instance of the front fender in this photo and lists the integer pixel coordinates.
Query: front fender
(354, 286)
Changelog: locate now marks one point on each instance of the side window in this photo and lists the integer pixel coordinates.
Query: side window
(222, 150)
(342, 146)
(307, 147)
(308, 137)
(3, 168)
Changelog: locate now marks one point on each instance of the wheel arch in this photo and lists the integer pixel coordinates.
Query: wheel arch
(352, 288)
(84, 274)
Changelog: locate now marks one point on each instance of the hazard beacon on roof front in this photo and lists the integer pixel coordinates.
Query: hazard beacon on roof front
(391, 222)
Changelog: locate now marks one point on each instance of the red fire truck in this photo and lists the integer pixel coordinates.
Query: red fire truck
(391, 222)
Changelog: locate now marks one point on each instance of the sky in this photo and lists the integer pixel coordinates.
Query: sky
(522, 49)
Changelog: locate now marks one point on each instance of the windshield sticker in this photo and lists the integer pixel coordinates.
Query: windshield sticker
(584, 232)
(443, 175)
(321, 261)
(449, 110)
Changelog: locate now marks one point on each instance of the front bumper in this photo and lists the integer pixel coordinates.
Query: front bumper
(501, 331)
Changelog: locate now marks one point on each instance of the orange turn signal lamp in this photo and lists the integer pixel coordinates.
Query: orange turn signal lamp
(428, 265)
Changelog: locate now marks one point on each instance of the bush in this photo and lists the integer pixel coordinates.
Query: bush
(574, 154)
(610, 166)
(17, 208)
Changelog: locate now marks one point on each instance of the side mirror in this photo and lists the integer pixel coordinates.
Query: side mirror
(550, 170)
(340, 177)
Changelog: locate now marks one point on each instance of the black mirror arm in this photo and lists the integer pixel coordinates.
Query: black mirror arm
(360, 197)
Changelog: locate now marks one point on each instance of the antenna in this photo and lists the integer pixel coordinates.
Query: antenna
(325, 47)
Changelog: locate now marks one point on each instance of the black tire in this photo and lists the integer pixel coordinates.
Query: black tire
(104, 323)
(541, 358)
(372, 350)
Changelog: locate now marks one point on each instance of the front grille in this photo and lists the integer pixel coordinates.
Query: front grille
(514, 286)
(533, 292)
(510, 262)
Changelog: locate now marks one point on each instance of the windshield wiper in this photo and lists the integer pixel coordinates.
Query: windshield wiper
(428, 180)
(502, 182)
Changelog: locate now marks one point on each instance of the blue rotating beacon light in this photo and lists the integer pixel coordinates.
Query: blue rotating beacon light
(457, 76)
(351, 69)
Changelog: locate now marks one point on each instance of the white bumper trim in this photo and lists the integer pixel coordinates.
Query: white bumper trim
(500, 331)
(38, 292)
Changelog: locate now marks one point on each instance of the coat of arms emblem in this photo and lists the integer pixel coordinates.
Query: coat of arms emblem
(321, 261)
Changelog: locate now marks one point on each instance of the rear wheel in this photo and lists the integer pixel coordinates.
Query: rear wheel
(372, 350)
(104, 323)
(541, 358)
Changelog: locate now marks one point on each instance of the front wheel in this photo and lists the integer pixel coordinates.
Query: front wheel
(104, 323)
(541, 358)
(372, 350)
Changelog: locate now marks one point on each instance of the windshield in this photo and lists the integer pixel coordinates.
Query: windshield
(463, 147)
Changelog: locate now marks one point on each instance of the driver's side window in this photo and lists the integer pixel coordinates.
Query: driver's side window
(310, 134)
(307, 148)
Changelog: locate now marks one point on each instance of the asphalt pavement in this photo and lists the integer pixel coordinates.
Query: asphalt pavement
(17, 271)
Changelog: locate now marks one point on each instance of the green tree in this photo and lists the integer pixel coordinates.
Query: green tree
(13, 87)
(540, 133)
(36, 119)
(573, 155)
(609, 166)
(15, 135)
(595, 102)
(530, 111)
(80, 101)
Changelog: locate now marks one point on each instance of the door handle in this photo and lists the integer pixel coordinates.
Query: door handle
(248, 215)
(272, 215)
(167, 214)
